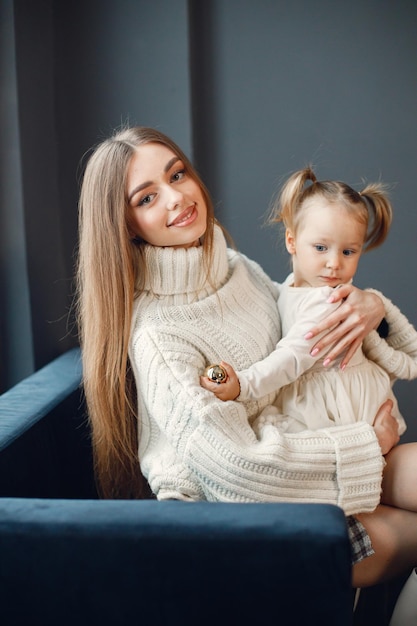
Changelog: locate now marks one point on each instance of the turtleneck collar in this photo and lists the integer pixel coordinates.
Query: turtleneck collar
(174, 272)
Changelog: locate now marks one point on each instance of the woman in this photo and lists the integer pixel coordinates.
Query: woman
(161, 296)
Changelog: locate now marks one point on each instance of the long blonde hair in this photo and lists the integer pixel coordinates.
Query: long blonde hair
(110, 268)
(370, 206)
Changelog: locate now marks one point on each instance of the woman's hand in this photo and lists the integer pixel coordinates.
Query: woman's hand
(359, 313)
(386, 428)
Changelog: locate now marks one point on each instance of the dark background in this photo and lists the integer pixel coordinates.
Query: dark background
(250, 89)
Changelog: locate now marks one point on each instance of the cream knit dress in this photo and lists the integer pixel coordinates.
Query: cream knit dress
(193, 446)
(313, 396)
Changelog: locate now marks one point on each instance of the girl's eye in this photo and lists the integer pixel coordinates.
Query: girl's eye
(146, 199)
(178, 175)
(319, 247)
(348, 252)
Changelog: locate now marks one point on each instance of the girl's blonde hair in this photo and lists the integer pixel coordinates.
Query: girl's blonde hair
(110, 272)
(371, 206)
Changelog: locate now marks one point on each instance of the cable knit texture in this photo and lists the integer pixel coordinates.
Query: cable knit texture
(194, 446)
(397, 355)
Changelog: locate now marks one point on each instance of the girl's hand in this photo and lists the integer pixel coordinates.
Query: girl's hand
(359, 313)
(386, 428)
(227, 390)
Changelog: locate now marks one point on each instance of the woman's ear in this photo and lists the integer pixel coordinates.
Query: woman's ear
(290, 241)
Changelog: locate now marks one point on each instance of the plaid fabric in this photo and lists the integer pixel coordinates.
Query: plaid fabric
(359, 540)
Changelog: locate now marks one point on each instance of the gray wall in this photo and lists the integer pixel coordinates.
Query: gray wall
(251, 89)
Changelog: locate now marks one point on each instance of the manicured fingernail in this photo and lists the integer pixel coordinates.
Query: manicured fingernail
(326, 362)
(308, 336)
(314, 351)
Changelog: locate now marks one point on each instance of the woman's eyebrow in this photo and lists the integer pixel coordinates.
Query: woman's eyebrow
(171, 163)
(149, 182)
(137, 189)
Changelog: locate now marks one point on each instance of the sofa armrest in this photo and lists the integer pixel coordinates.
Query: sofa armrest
(45, 448)
(33, 398)
(148, 562)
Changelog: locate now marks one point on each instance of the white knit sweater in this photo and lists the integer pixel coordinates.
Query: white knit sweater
(194, 446)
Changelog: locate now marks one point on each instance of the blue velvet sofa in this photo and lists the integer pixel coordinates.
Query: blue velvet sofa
(68, 558)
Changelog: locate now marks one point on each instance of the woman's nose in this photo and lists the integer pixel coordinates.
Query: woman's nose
(174, 199)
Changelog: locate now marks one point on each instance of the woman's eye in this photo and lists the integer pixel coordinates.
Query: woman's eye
(178, 175)
(146, 199)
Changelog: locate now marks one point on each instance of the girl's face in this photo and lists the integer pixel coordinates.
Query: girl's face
(327, 245)
(167, 206)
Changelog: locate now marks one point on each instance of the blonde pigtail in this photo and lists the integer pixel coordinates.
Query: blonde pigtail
(286, 205)
(380, 214)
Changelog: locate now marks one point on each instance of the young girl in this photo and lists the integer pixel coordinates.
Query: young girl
(328, 226)
(161, 295)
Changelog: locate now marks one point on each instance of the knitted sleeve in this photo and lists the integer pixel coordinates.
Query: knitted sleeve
(397, 355)
(342, 465)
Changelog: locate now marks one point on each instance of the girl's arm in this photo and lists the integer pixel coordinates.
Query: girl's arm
(290, 359)
(398, 354)
(292, 356)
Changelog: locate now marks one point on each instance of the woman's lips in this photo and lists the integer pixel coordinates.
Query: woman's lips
(185, 217)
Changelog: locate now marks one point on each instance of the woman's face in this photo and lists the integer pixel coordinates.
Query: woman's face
(167, 206)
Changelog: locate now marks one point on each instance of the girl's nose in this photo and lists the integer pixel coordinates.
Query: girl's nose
(333, 261)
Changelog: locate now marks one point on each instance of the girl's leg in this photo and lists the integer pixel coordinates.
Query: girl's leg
(399, 485)
(393, 534)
